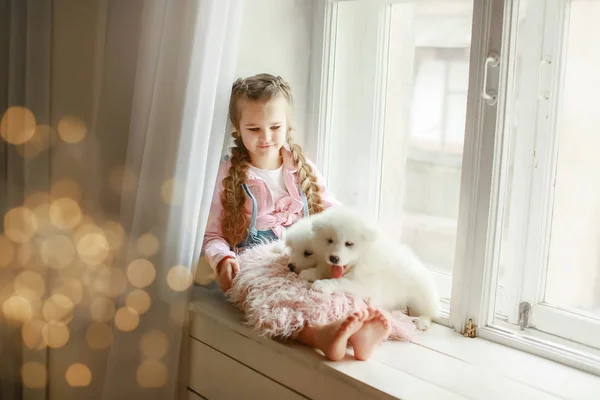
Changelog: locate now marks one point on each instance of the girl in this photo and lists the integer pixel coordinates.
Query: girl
(266, 185)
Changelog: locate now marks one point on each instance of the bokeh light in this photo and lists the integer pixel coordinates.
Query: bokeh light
(7, 251)
(102, 309)
(17, 125)
(71, 129)
(20, 224)
(147, 245)
(58, 307)
(179, 278)
(126, 319)
(57, 251)
(66, 188)
(115, 234)
(152, 374)
(39, 142)
(171, 192)
(65, 213)
(154, 344)
(110, 282)
(30, 284)
(98, 336)
(141, 273)
(93, 248)
(31, 333)
(17, 309)
(34, 375)
(78, 375)
(69, 287)
(55, 334)
(139, 300)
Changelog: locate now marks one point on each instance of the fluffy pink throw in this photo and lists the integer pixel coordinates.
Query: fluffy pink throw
(277, 303)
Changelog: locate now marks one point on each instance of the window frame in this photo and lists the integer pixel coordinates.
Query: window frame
(475, 277)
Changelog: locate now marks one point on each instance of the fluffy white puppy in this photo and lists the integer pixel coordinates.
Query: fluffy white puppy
(364, 263)
(301, 248)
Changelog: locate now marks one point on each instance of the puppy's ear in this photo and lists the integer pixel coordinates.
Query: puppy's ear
(318, 224)
(369, 232)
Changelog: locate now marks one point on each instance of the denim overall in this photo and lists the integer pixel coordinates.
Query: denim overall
(255, 236)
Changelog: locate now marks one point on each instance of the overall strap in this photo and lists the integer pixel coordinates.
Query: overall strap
(304, 203)
(252, 229)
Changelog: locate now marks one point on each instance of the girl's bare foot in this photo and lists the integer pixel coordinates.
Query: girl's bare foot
(374, 329)
(332, 339)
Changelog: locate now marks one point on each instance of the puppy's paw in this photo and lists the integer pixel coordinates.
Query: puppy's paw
(422, 323)
(324, 285)
(309, 275)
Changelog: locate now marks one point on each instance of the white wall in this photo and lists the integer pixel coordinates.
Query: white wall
(275, 38)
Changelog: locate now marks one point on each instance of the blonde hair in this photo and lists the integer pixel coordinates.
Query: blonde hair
(234, 222)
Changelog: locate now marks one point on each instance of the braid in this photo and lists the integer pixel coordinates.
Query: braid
(234, 221)
(307, 177)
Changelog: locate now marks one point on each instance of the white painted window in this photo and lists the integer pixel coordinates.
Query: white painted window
(469, 130)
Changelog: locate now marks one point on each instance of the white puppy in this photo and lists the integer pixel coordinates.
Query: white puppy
(364, 263)
(301, 249)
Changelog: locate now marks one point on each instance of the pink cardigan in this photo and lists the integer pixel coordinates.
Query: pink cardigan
(215, 247)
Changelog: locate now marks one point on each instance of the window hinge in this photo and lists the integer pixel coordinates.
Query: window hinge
(524, 315)
(470, 330)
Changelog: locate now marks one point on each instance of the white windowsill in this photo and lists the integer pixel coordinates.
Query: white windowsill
(438, 364)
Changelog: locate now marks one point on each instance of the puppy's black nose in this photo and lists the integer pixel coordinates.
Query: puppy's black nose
(291, 267)
(334, 259)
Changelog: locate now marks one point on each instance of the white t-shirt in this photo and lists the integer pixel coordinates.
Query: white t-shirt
(274, 180)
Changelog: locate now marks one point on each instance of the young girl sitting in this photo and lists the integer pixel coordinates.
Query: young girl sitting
(266, 185)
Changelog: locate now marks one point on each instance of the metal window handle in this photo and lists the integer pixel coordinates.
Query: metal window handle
(490, 96)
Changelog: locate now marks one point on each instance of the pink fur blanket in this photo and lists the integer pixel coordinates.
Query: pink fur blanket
(277, 303)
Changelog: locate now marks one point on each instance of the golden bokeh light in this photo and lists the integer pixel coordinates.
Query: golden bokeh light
(179, 278)
(58, 307)
(7, 251)
(152, 374)
(45, 226)
(39, 142)
(98, 336)
(93, 248)
(55, 334)
(154, 344)
(37, 199)
(110, 282)
(31, 333)
(147, 245)
(71, 288)
(65, 213)
(141, 273)
(121, 180)
(78, 375)
(20, 224)
(17, 125)
(29, 283)
(34, 375)
(17, 309)
(171, 192)
(66, 188)
(115, 234)
(102, 309)
(139, 300)
(86, 227)
(178, 313)
(126, 319)
(57, 251)
(71, 129)
(25, 253)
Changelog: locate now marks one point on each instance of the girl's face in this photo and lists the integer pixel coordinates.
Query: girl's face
(263, 128)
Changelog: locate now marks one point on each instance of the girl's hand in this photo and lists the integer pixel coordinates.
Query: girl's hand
(227, 269)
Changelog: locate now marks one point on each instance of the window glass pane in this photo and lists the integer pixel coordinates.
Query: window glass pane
(414, 175)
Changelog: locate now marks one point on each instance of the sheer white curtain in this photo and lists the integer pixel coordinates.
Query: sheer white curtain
(129, 138)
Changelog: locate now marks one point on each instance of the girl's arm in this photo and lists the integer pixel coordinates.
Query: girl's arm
(215, 247)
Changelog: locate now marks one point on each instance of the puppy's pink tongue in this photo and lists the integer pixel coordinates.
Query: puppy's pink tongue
(337, 271)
